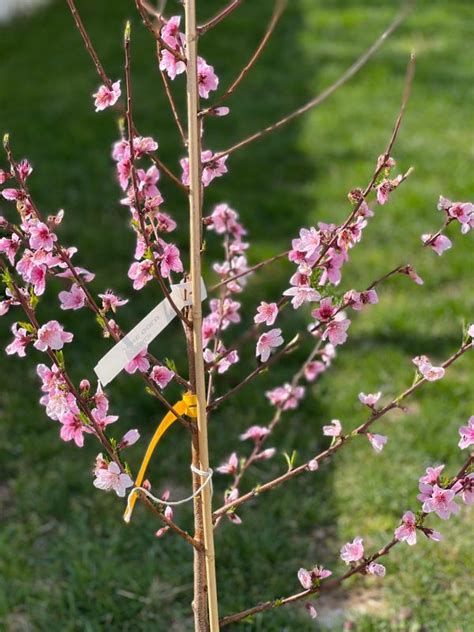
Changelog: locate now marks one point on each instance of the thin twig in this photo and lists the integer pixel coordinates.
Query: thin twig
(348, 74)
(361, 429)
(234, 4)
(277, 13)
(337, 581)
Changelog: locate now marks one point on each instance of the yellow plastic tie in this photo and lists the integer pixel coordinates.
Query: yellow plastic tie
(186, 406)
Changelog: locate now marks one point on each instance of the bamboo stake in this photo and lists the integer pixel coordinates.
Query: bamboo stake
(195, 217)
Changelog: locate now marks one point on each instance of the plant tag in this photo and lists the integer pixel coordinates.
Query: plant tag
(142, 334)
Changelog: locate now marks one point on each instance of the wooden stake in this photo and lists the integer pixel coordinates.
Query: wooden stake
(195, 218)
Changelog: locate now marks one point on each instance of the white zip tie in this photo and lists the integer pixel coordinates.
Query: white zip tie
(160, 501)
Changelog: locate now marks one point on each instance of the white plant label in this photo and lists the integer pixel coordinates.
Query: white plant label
(142, 334)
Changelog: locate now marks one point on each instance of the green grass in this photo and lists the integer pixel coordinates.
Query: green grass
(67, 561)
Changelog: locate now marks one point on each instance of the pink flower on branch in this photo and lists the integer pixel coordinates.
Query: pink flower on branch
(427, 370)
(111, 302)
(268, 341)
(336, 331)
(106, 97)
(111, 478)
(21, 340)
(72, 429)
(441, 502)
(371, 399)
(211, 168)
(207, 78)
(407, 530)
(352, 551)
(439, 244)
(52, 336)
(308, 579)
(266, 313)
(74, 299)
(467, 434)
(161, 375)
(230, 466)
(41, 236)
(377, 441)
(255, 433)
(139, 363)
(333, 430)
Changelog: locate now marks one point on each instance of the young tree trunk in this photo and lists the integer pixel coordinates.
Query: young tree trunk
(205, 590)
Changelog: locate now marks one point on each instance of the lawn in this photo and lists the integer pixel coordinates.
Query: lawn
(67, 561)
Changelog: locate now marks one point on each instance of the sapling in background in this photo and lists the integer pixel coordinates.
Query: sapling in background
(309, 316)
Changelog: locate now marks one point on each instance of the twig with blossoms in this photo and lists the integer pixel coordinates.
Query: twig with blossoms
(42, 235)
(351, 553)
(109, 94)
(339, 440)
(133, 178)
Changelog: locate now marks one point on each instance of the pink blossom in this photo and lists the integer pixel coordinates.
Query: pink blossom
(256, 433)
(313, 369)
(352, 551)
(147, 182)
(334, 430)
(72, 429)
(170, 33)
(111, 302)
(111, 478)
(466, 489)
(207, 78)
(74, 299)
(139, 363)
(462, 211)
(302, 294)
(222, 359)
(432, 475)
(439, 244)
(377, 441)
(211, 168)
(129, 438)
(10, 246)
(313, 465)
(310, 241)
(371, 399)
(441, 502)
(325, 311)
(357, 300)
(20, 341)
(141, 273)
(11, 194)
(268, 341)
(308, 579)
(430, 372)
(407, 530)
(383, 190)
(332, 268)
(336, 330)
(41, 237)
(171, 261)
(52, 336)
(161, 375)
(313, 613)
(266, 454)
(229, 499)
(106, 97)
(266, 313)
(376, 569)
(467, 434)
(230, 466)
(411, 272)
(286, 396)
(170, 64)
